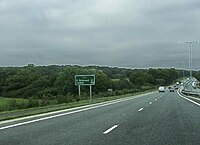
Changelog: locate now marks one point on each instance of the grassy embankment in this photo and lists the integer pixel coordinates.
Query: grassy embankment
(38, 110)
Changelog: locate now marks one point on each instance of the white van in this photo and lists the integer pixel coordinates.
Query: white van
(161, 89)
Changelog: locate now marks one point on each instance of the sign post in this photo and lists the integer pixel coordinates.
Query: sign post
(85, 80)
(79, 90)
(90, 93)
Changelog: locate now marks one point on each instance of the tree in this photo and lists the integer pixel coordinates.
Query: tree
(103, 83)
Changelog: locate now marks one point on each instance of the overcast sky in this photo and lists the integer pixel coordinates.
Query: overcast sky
(124, 33)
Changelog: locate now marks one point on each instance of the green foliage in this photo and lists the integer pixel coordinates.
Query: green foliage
(103, 83)
(44, 85)
(196, 75)
(154, 76)
(11, 104)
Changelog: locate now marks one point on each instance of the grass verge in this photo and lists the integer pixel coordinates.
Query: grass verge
(4, 101)
(6, 115)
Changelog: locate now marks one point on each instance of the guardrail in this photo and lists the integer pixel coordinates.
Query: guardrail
(190, 93)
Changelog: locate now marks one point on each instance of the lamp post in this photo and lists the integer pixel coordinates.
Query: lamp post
(190, 55)
(183, 67)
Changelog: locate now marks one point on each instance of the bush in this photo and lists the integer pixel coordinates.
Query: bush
(64, 99)
(22, 105)
(33, 103)
(12, 104)
(119, 92)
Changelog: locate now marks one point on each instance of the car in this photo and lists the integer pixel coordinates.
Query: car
(161, 89)
(171, 90)
(169, 87)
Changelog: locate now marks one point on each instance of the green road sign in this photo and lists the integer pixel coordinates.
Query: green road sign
(84, 80)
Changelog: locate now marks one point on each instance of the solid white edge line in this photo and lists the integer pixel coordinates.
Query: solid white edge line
(188, 99)
(71, 109)
(68, 113)
(110, 129)
(140, 109)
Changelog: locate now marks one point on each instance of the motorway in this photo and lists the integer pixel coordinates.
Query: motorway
(189, 87)
(153, 119)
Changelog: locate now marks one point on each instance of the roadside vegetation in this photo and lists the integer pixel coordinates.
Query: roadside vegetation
(37, 86)
(196, 74)
(49, 108)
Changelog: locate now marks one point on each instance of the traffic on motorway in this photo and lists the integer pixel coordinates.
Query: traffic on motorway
(154, 116)
(99, 72)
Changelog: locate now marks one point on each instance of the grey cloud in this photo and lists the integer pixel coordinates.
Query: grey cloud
(126, 33)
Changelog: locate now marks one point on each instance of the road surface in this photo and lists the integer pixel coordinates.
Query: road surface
(155, 119)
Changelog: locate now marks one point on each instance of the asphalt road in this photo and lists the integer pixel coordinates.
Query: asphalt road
(188, 86)
(156, 119)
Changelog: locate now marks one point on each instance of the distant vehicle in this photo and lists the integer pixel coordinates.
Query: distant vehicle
(161, 89)
(169, 87)
(194, 85)
(176, 88)
(177, 83)
(110, 90)
(171, 90)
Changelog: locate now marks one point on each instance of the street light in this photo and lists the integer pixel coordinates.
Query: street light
(183, 67)
(190, 55)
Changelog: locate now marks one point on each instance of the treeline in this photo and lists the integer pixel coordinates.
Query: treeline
(56, 83)
(196, 74)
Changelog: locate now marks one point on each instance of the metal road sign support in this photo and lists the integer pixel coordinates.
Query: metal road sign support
(79, 90)
(90, 93)
(85, 80)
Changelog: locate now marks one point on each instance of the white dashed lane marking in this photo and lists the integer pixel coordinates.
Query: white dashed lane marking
(110, 129)
(140, 109)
